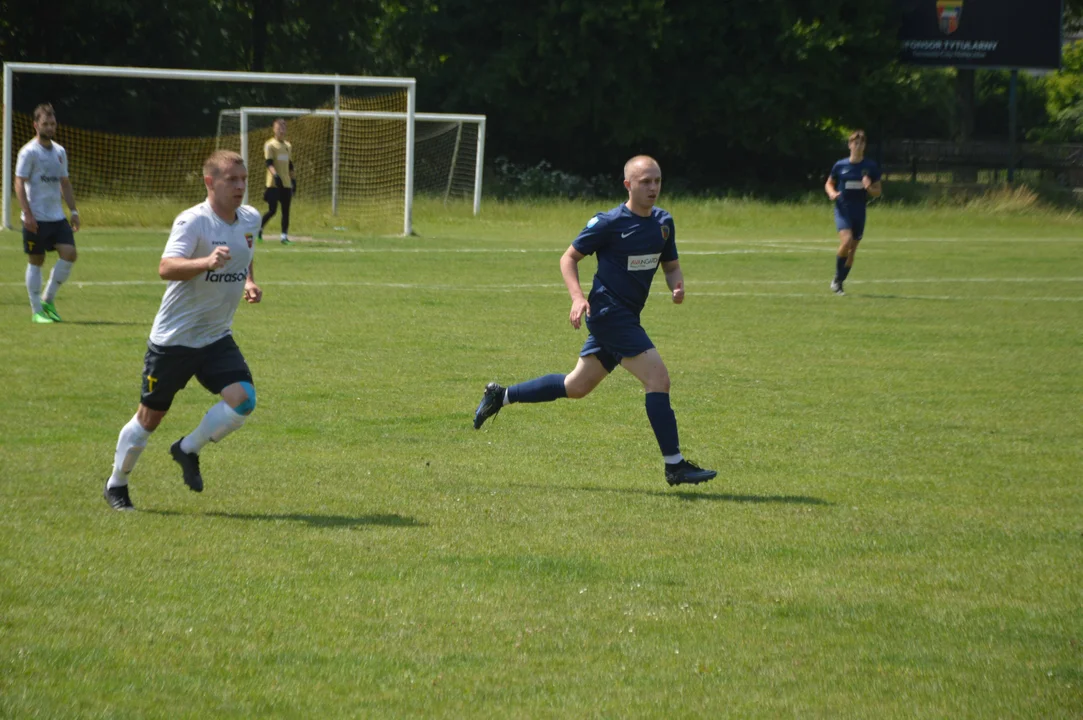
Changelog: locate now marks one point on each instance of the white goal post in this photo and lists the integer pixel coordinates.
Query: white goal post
(336, 81)
(244, 113)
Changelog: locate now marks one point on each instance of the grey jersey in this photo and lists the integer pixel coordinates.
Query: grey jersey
(195, 313)
(42, 167)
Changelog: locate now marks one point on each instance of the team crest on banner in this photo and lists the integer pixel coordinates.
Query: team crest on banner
(948, 15)
(248, 239)
(665, 233)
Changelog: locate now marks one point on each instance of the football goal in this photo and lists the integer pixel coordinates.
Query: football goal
(449, 149)
(134, 161)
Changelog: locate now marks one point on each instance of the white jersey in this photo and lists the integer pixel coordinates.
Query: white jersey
(194, 313)
(42, 167)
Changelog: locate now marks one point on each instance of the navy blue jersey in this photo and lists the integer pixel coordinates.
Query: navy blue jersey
(847, 176)
(630, 247)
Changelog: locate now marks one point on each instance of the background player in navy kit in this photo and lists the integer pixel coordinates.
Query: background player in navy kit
(631, 241)
(208, 261)
(41, 178)
(851, 182)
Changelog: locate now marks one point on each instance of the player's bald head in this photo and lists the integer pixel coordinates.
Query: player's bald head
(220, 161)
(640, 162)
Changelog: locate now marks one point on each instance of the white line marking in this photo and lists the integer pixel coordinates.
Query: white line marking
(868, 288)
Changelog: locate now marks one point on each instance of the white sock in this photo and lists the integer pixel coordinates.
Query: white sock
(33, 286)
(285, 236)
(60, 273)
(506, 401)
(130, 444)
(219, 421)
(673, 459)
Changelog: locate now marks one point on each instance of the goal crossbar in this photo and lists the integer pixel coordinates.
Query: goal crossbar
(338, 81)
(479, 120)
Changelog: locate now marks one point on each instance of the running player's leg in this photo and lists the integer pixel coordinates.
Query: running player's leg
(270, 196)
(223, 371)
(286, 197)
(843, 259)
(165, 372)
(857, 231)
(652, 372)
(35, 258)
(590, 370)
(64, 242)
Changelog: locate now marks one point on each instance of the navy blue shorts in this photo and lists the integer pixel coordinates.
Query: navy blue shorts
(49, 235)
(167, 369)
(850, 220)
(615, 332)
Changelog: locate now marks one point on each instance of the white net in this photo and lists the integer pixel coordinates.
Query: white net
(136, 145)
(446, 161)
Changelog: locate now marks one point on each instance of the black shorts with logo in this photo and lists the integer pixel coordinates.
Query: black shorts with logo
(49, 235)
(167, 370)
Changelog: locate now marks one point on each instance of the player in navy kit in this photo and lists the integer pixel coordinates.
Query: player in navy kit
(631, 241)
(851, 182)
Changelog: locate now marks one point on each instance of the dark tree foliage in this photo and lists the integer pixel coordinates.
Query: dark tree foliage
(744, 95)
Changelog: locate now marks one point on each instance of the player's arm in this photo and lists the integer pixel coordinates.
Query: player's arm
(674, 279)
(69, 198)
(569, 270)
(872, 187)
(24, 202)
(179, 268)
(831, 188)
(177, 263)
(252, 292)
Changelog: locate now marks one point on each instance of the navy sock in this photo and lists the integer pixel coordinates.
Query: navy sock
(845, 272)
(663, 422)
(840, 268)
(543, 389)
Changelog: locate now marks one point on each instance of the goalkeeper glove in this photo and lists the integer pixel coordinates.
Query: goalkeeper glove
(278, 181)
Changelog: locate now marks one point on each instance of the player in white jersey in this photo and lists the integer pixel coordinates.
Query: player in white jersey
(208, 263)
(41, 178)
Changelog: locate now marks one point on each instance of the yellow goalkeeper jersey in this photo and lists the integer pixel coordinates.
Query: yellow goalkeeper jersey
(280, 153)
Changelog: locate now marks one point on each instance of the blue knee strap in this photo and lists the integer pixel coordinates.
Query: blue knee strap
(249, 403)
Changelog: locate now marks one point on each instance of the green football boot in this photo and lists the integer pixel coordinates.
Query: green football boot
(49, 309)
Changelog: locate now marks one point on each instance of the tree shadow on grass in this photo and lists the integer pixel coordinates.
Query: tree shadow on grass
(319, 521)
(696, 496)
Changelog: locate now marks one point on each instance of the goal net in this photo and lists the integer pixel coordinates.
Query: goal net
(449, 149)
(137, 138)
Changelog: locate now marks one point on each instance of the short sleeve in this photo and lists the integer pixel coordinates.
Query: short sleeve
(24, 165)
(63, 154)
(835, 172)
(669, 250)
(593, 236)
(183, 238)
(874, 171)
(268, 151)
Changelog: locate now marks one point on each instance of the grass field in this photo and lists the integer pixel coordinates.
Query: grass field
(896, 529)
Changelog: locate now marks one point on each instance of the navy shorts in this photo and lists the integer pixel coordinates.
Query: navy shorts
(49, 235)
(167, 369)
(850, 220)
(615, 332)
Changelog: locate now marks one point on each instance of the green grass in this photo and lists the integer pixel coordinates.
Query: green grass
(895, 530)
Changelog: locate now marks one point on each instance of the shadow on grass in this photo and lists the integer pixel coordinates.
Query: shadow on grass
(320, 521)
(99, 322)
(883, 296)
(696, 496)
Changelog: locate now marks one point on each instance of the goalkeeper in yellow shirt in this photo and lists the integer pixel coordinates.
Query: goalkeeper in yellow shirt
(278, 153)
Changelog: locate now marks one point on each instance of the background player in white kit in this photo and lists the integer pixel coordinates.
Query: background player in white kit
(41, 177)
(208, 261)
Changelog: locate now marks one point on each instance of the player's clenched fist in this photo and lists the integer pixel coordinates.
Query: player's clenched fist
(218, 258)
